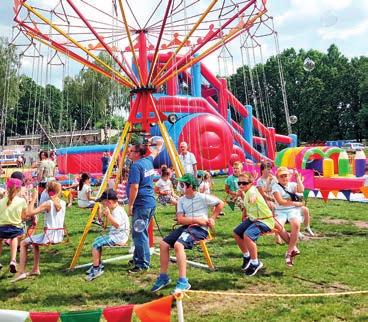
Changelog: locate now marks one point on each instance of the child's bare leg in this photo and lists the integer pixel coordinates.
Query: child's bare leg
(307, 220)
(36, 259)
(23, 257)
(164, 256)
(295, 229)
(251, 246)
(181, 259)
(241, 243)
(96, 257)
(13, 249)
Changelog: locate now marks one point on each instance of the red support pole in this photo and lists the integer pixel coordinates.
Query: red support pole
(142, 60)
(271, 143)
(150, 233)
(223, 98)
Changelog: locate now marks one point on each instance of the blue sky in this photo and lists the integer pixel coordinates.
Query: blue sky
(300, 24)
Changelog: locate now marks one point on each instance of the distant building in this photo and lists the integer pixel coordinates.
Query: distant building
(64, 138)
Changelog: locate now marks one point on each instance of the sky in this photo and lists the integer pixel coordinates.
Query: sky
(307, 24)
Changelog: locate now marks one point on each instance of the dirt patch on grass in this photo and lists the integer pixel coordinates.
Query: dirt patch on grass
(361, 224)
(358, 223)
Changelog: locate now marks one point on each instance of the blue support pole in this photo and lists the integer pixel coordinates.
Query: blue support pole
(294, 141)
(248, 125)
(195, 71)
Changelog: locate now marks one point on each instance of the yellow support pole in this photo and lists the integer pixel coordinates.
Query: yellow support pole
(179, 170)
(121, 162)
(101, 189)
(206, 254)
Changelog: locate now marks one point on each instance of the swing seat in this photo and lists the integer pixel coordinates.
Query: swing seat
(46, 240)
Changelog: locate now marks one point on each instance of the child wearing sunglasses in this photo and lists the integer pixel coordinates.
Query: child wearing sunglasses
(257, 219)
(192, 214)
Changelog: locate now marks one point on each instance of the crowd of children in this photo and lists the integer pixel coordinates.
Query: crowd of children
(267, 202)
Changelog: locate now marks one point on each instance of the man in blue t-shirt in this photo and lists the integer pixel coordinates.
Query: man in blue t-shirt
(142, 203)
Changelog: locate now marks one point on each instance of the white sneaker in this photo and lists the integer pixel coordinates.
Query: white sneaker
(309, 231)
(94, 274)
(301, 236)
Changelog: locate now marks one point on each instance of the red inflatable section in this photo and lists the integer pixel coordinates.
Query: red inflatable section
(237, 155)
(214, 146)
(81, 162)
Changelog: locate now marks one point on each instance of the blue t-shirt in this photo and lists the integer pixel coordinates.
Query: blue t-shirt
(141, 173)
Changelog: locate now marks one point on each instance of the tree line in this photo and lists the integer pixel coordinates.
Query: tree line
(330, 101)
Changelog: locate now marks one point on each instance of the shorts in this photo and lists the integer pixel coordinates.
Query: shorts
(252, 229)
(104, 240)
(10, 232)
(285, 215)
(186, 235)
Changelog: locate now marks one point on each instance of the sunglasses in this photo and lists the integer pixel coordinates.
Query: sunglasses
(243, 183)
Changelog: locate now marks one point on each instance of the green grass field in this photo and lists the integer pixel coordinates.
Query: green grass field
(333, 261)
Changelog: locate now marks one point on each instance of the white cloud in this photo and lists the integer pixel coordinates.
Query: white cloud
(354, 31)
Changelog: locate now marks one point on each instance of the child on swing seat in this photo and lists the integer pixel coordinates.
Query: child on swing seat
(118, 233)
(257, 219)
(164, 189)
(54, 209)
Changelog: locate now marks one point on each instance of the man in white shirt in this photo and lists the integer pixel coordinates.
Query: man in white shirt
(187, 159)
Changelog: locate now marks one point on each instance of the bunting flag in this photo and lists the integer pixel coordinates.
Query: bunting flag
(44, 316)
(347, 194)
(121, 313)
(315, 192)
(306, 193)
(335, 193)
(325, 194)
(13, 316)
(81, 316)
(364, 190)
(158, 310)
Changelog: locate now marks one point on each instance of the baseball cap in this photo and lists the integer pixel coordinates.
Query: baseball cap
(108, 194)
(189, 179)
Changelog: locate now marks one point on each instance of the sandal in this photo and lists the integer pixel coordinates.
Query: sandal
(32, 273)
(20, 277)
(289, 260)
(295, 252)
(13, 267)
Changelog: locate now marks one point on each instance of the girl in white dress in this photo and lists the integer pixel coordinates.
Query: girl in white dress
(54, 210)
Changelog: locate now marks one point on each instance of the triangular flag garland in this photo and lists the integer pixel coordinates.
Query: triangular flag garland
(315, 192)
(158, 310)
(335, 193)
(81, 316)
(325, 194)
(306, 193)
(121, 313)
(346, 193)
(13, 316)
(44, 316)
(364, 190)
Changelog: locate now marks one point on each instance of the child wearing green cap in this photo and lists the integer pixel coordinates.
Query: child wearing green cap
(192, 214)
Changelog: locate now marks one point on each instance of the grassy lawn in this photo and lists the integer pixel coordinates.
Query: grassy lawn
(333, 261)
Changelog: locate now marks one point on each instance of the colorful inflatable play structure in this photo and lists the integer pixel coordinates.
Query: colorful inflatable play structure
(203, 118)
(79, 159)
(333, 169)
